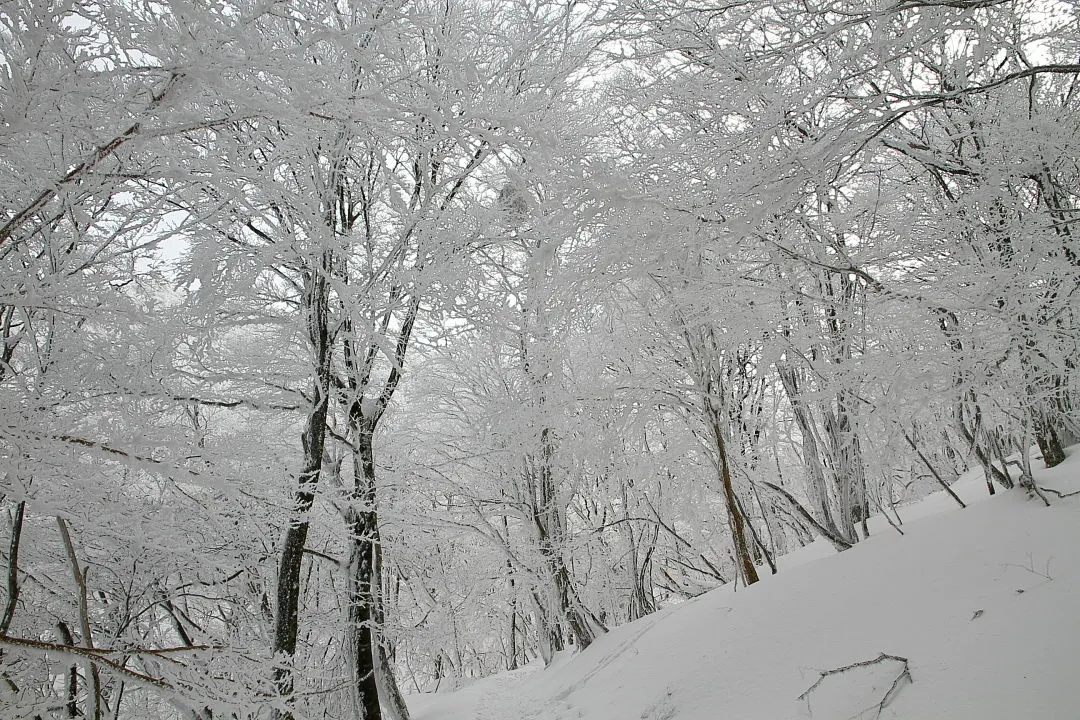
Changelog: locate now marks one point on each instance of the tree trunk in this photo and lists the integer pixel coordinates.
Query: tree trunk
(363, 535)
(512, 660)
(549, 523)
(1049, 441)
(71, 705)
(93, 684)
(982, 442)
(934, 472)
(758, 548)
(848, 469)
(385, 679)
(567, 605)
(794, 506)
(641, 601)
(548, 633)
(816, 488)
(286, 620)
(735, 516)
(13, 569)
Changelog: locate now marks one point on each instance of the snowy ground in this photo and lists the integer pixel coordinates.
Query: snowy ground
(983, 602)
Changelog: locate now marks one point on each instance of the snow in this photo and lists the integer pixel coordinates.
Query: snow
(983, 602)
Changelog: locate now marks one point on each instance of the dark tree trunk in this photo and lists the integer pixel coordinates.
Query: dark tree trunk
(1049, 442)
(950, 327)
(800, 512)
(71, 705)
(363, 535)
(742, 548)
(12, 575)
(641, 601)
(934, 472)
(548, 518)
(981, 442)
(370, 666)
(512, 660)
(735, 515)
(13, 570)
(758, 547)
(286, 620)
(568, 606)
(389, 691)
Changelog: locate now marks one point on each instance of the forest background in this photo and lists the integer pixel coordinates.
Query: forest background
(356, 348)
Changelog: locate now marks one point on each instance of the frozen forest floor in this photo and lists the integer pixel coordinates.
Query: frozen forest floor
(984, 603)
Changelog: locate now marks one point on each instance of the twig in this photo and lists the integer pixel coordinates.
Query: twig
(895, 687)
(1030, 567)
(324, 556)
(882, 657)
(97, 656)
(1059, 493)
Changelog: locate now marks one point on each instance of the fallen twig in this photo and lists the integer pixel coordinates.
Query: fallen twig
(1059, 493)
(905, 673)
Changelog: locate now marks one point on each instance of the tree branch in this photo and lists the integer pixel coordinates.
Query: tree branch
(838, 542)
(905, 672)
(94, 689)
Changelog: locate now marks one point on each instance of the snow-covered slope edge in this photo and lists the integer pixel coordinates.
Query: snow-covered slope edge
(983, 602)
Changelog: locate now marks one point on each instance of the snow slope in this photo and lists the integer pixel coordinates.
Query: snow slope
(983, 602)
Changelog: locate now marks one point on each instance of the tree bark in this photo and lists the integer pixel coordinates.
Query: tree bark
(550, 527)
(833, 537)
(817, 489)
(1049, 441)
(71, 704)
(313, 440)
(93, 688)
(944, 485)
(735, 516)
(363, 535)
(13, 569)
(848, 469)
(385, 679)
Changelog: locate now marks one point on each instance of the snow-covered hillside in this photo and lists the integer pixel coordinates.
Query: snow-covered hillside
(983, 602)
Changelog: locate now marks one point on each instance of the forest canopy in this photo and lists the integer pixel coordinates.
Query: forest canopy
(352, 348)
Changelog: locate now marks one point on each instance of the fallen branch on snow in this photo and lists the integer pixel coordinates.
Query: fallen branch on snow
(1059, 493)
(905, 674)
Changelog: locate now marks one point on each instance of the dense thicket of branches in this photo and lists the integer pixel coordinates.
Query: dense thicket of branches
(350, 349)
